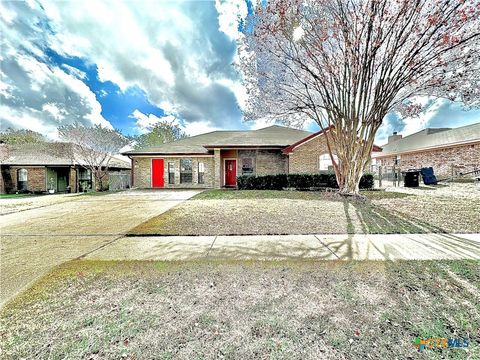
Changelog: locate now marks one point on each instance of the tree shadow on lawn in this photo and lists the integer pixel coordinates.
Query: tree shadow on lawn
(377, 220)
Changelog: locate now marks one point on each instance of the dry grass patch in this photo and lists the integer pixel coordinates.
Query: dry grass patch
(453, 215)
(282, 310)
(312, 213)
(251, 212)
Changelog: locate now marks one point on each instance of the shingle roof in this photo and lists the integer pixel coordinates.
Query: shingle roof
(272, 136)
(432, 138)
(49, 154)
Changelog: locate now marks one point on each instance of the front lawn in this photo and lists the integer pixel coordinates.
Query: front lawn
(245, 310)
(250, 212)
(16, 196)
(276, 194)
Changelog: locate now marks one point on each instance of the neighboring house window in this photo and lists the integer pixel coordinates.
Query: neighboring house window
(84, 179)
(171, 173)
(201, 173)
(325, 162)
(22, 179)
(247, 166)
(185, 171)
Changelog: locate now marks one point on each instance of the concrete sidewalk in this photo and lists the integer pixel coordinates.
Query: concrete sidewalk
(269, 247)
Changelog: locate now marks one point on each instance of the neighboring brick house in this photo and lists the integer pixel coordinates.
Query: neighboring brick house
(40, 167)
(448, 151)
(215, 159)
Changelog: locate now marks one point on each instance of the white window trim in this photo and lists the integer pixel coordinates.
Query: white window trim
(329, 159)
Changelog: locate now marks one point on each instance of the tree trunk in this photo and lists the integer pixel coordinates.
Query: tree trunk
(353, 157)
(349, 181)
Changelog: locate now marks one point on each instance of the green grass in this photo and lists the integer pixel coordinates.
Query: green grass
(224, 194)
(244, 309)
(257, 194)
(15, 196)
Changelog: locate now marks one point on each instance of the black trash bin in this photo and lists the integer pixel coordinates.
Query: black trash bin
(411, 178)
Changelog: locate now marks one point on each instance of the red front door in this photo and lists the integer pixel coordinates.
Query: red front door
(230, 172)
(157, 173)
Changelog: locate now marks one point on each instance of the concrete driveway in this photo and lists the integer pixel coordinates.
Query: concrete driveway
(49, 231)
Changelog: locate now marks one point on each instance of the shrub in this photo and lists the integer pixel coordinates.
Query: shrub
(367, 182)
(296, 181)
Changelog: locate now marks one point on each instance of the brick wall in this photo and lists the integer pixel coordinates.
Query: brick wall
(142, 172)
(270, 162)
(72, 178)
(305, 158)
(35, 178)
(444, 161)
(243, 154)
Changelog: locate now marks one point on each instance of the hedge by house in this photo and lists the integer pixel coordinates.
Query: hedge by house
(296, 181)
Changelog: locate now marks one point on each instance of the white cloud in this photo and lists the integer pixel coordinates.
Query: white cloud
(229, 14)
(199, 127)
(174, 51)
(74, 71)
(36, 94)
(54, 109)
(145, 122)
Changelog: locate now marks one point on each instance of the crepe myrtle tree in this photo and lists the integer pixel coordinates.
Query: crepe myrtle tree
(93, 147)
(347, 63)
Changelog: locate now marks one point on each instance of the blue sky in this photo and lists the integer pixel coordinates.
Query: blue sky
(127, 66)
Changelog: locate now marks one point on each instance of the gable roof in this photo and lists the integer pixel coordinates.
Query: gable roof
(292, 147)
(47, 154)
(432, 138)
(274, 136)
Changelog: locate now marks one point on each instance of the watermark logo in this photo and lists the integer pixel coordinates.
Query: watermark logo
(440, 343)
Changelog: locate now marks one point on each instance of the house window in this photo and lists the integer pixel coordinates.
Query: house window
(84, 174)
(325, 162)
(22, 179)
(84, 179)
(185, 171)
(171, 173)
(201, 173)
(247, 166)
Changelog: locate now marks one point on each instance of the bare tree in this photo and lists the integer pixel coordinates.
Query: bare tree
(347, 63)
(93, 148)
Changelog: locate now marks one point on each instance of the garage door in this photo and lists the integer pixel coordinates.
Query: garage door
(157, 173)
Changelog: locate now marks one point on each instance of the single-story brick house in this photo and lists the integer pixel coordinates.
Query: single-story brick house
(40, 167)
(448, 151)
(215, 159)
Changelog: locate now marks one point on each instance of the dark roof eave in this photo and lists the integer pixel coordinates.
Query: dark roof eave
(245, 146)
(164, 153)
